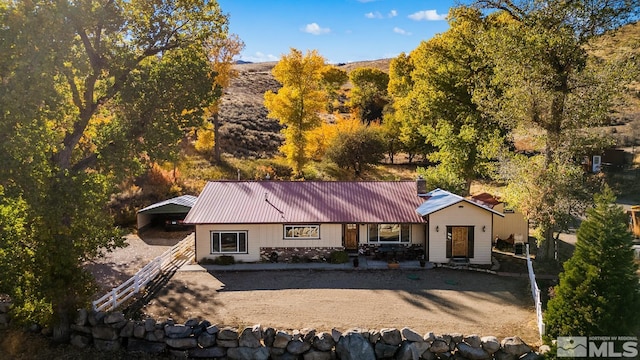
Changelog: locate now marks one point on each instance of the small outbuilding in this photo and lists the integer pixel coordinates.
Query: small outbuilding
(168, 213)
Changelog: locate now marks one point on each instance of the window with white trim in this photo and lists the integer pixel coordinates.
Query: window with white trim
(302, 232)
(389, 233)
(228, 242)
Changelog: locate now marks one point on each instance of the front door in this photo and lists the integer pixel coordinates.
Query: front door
(351, 237)
(459, 241)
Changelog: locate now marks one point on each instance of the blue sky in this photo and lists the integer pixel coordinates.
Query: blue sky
(340, 30)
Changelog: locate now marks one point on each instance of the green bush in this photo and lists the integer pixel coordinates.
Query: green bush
(339, 257)
(224, 260)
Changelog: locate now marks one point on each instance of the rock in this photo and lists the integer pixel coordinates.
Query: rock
(408, 351)
(245, 353)
(501, 355)
(472, 353)
(213, 329)
(383, 350)
(531, 356)
(149, 324)
(323, 342)
(428, 355)
(177, 331)
(213, 352)
(285, 356)
(411, 335)
(228, 333)
(422, 346)
(106, 345)
(169, 322)
(95, 317)
(515, 346)
(80, 341)
(192, 323)
(227, 343)
(544, 349)
(81, 317)
(6, 306)
(127, 329)
(104, 332)
(114, 318)
(308, 335)
(336, 335)
(182, 343)
(269, 336)
(490, 344)
(353, 346)
(298, 347)
(177, 354)
(473, 340)
(146, 347)
(318, 355)
(206, 340)
(81, 329)
(429, 337)
(139, 331)
(374, 336)
(456, 337)
(281, 340)
(277, 351)
(439, 347)
(155, 335)
(391, 336)
(250, 337)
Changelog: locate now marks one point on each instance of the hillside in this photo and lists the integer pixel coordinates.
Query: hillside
(247, 132)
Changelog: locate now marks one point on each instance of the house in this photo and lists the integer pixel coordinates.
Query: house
(253, 220)
(513, 224)
(168, 213)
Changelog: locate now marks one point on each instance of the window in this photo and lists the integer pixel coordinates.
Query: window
(302, 231)
(389, 233)
(228, 242)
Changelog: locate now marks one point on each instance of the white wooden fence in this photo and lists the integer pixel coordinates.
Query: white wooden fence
(535, 292)
(180, 251)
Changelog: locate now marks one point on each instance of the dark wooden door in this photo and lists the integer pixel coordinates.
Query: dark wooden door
(460, 241)
(351, 236)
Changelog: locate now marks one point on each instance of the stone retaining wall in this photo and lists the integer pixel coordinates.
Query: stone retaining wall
(297, 254)
(201, 339)
(4, 314)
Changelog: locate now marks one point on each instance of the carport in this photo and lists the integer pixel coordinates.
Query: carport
(168, 213)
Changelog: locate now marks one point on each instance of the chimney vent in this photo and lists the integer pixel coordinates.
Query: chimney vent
(421, 186)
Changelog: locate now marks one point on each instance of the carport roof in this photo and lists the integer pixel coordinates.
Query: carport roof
(439, 199)
(180, 204)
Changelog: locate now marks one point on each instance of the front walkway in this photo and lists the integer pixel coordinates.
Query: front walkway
(364, 264)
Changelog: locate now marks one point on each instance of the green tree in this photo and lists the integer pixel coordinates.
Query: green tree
(84, 105)
(599, 292)
(400, 83)
(357, 149)
(369, 93)
(298, 103)
(549, 84)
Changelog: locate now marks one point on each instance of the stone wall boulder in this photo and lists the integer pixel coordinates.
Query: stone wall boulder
(391, 336)
(182, 343)
(490, 344)
(177, 331)
(383, 350)
(247, 353)
(353, 346)
(250, 337)
(147, 347)
(281, 340)
(411, 335)
(472, 353)
(297, 347)
(323, 342)
(515, 346)
(318, 355)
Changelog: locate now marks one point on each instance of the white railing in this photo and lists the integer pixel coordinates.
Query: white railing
(535, 292)
(110, 301)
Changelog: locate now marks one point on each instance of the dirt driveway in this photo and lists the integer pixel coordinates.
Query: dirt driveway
(438, 300)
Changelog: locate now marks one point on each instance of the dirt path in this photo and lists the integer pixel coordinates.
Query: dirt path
(431, 300)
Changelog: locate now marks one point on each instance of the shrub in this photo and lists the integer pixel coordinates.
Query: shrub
(224, 260)
(339, 257)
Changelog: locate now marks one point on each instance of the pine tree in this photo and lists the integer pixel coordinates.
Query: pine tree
(599, 292)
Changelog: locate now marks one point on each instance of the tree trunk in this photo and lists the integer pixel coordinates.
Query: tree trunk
(216, 142)
(547, 247)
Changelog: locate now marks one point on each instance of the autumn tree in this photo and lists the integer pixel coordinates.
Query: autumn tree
(599, 292)
(357, 149)
(549, 84)
(298, 103)
(332, 80)
(92, 93)
(369, 93)
(222, 52)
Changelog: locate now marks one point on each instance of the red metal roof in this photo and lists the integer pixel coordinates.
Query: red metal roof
(486, 199)
(228, 202)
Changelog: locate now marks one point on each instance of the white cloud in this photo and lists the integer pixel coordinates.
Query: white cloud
(428, 15)
(373, 15)
(260, 57)
(393, 13)
(400, 31)
(315, 29)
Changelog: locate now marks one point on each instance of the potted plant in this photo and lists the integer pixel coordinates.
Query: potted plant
(423, 262)
(393, 264)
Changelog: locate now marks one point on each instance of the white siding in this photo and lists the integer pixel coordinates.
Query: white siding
(511, 224)
(264, 235)
(460, 214)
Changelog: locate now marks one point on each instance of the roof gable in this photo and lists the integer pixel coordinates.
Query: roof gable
(306, 201)
(439, 199)
(177, 204)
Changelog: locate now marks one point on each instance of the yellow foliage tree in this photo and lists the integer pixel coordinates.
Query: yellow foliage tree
(320, 138)
(298, 103)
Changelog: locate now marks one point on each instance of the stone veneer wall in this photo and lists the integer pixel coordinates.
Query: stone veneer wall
(201, 339)
(298, 254)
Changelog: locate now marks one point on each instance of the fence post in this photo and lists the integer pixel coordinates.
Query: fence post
(114, 298)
